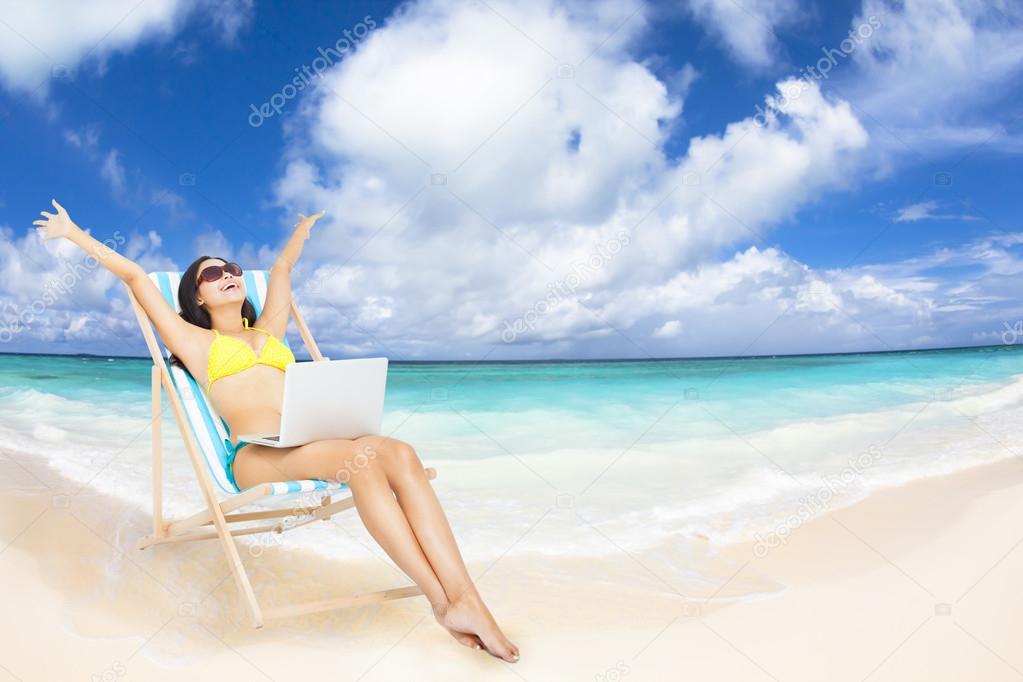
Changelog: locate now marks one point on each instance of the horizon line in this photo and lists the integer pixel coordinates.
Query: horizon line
(554, 360)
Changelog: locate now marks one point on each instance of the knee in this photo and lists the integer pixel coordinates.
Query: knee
(393, 454)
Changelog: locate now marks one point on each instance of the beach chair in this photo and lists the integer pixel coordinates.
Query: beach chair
(204, 433)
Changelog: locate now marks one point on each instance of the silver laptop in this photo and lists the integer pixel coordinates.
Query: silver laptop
(328, 399)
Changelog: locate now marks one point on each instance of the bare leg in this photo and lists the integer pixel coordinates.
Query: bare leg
(467, 611)
(374, 501)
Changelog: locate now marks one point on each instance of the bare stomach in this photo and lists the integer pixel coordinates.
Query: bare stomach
(250, 401)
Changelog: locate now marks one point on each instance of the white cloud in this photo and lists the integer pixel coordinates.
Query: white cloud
(459, 259)
(682, 80)
(44, 38)
(85, 139)
(669, 329)
(173, 203)
(927, 210)
(214, 243)
(747, 28)
(932, 66)
(112, 171)
(556, 206)
(228, 17)
(129, 188)
(800, 309)
(50, 294)
(144, 249)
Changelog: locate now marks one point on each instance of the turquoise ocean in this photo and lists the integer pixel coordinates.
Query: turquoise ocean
(645, 452)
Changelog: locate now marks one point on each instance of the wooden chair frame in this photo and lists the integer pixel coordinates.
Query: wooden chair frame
(220, 514)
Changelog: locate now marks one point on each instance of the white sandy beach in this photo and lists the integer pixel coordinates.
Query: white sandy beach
(920, 582)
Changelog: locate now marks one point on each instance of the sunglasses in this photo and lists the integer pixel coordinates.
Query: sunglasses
(211, 273)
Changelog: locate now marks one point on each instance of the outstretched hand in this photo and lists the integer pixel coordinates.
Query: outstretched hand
(59, 225)
(307, 223)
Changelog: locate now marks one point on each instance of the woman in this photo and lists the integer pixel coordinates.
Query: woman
(240, 362)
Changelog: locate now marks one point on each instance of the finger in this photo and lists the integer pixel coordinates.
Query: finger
(48, 215)
(56, 205)
(41, 223)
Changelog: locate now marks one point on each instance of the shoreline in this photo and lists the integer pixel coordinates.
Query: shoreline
(920, 549)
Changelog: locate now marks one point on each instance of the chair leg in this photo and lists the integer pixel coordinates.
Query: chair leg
(342, 602)
(158, 530)
(234, 561)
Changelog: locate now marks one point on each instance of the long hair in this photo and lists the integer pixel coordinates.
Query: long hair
(191, 311)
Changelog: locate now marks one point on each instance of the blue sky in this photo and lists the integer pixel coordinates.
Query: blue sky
(640, 158)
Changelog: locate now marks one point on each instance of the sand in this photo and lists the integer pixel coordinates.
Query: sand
(920, 582)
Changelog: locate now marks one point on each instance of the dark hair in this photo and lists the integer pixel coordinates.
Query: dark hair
(191, 311)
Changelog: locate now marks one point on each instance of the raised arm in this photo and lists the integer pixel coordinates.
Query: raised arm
(178, 334)
(274, 317)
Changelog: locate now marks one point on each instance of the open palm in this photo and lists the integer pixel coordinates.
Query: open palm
(55, 225)
(307, 222)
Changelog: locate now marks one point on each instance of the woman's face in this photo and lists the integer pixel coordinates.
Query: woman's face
(226, 290)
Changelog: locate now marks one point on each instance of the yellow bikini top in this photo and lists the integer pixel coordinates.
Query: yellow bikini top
(229, 355)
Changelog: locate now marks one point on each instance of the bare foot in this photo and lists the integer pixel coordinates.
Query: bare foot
(465, 638)
(469, 640)
(468, 613)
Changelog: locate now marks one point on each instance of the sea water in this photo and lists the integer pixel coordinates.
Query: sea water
(591, 457)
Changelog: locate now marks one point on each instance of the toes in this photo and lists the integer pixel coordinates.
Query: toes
(467, 639)
(507, 655)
